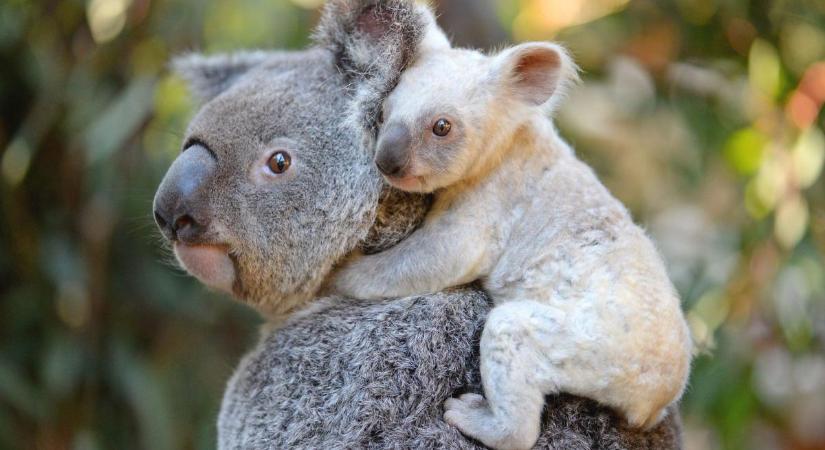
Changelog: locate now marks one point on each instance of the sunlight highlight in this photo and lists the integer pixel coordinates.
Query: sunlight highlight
(16, 160)
(106, 18)
(541, 19)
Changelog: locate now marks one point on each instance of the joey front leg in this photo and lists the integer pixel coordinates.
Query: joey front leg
(433, 258)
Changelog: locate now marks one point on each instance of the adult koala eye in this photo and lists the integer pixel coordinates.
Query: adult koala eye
(442, 127)
(279, 162)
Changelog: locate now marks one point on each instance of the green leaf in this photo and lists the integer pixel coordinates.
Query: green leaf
(745, 149)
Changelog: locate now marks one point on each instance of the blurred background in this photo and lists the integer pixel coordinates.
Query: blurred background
(703, 116)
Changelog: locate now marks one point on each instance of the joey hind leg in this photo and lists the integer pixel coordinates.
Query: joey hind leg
(529, 350)
(516, 372)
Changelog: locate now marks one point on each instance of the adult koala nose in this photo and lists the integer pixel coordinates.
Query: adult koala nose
(392, 157)
(181, 206)
(182, 212)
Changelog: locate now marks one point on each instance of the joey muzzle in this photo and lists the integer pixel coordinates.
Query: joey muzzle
(393, 153)
(181, 210)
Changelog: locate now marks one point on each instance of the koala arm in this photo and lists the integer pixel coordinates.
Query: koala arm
(445, 252)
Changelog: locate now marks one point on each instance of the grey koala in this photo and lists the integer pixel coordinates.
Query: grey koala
(272, 189)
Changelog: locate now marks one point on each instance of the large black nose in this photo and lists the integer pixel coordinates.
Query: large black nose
(181, 203)
(392, 157)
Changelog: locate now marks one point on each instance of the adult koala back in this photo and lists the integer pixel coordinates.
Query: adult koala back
(333, 372)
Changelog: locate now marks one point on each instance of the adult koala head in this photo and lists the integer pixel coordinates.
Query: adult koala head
(271, 187)
(256, 205)
(270, 190)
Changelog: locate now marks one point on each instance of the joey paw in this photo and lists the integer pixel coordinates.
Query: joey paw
(468, 413)
(471, 414)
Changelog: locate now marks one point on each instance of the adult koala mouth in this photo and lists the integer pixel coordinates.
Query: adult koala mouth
(210, 264)
(181, 210)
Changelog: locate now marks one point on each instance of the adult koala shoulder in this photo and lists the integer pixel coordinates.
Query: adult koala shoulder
(334, 373)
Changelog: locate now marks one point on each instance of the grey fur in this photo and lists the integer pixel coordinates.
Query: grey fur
(399, 214)
(340, 373)
(284, 237)
(354, 374)
(209, 76)
(373, 41)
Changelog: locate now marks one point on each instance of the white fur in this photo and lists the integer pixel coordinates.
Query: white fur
(584, 304)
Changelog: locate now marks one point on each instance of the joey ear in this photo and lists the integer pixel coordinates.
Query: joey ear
(208, 76)
(537, 72)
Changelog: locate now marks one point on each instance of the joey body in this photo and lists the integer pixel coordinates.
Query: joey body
(583, 302)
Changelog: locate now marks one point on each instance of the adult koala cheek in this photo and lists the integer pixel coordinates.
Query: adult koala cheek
(184, 215)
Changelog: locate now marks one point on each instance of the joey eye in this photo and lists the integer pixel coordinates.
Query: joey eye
(279, 162)
(442, 127)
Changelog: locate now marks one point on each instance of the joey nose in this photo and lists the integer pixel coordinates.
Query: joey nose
(392, 157)
(181, 202)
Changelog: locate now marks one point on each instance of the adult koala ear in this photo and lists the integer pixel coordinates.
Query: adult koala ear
(208, 76)
(373, 41)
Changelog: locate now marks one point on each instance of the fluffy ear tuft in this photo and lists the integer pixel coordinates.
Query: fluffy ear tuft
(372, 42)
(538, 73)
(208, 76)
(369, 36)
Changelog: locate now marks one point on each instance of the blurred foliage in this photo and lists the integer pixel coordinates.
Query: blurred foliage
(703, 116)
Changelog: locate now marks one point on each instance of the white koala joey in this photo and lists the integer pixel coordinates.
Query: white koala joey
(583, 303)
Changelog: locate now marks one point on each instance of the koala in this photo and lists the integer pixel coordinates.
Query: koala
(583, 301)
(248, 203)
(268, 228)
